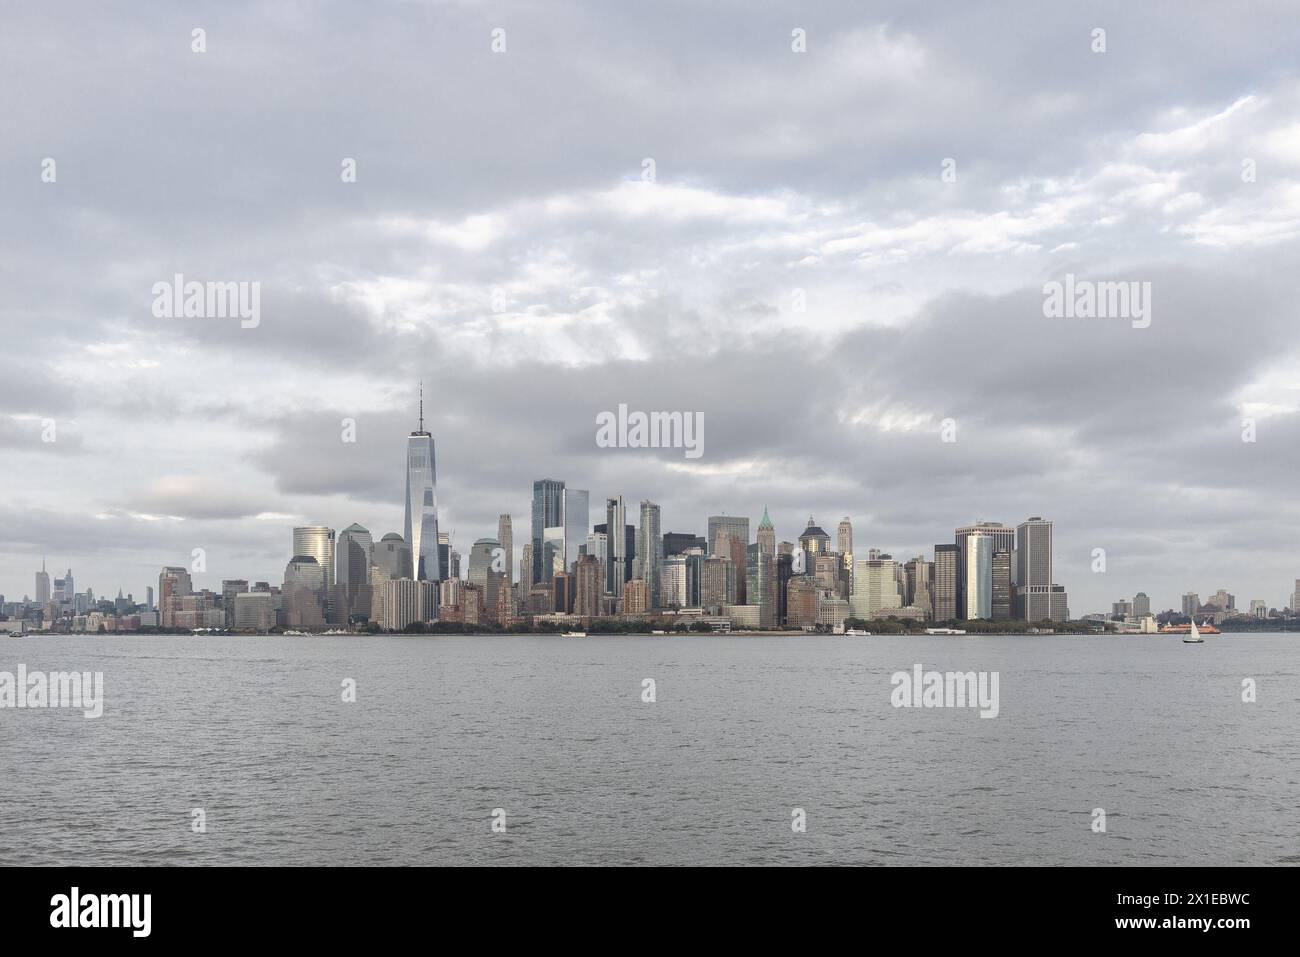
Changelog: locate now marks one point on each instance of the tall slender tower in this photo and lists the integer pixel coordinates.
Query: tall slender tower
(767, 535)
(421, 527)
(506, 536)
(42, 585)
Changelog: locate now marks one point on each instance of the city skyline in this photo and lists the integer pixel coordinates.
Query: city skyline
(823, 295)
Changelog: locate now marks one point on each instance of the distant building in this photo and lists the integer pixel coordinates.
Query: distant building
(42, 586)
(678, 543)
(945, 582)
(975, 571)
(1002, 603)
(1141, 605)
(636, 598)
(392, 556)
(767, 535)
(173, 583)
(318, 542)
(254, 611)
(230, 589)
(875, 589)
(649, 550)
(506, 536)
(1191, 604)
(420, 524)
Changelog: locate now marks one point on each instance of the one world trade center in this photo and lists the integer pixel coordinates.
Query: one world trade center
(421, 530)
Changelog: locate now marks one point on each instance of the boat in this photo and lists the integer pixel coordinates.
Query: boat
(1194, 637)
(573, 634)
(857, 633)
(1205, 629)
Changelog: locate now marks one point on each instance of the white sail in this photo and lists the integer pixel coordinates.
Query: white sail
(1195, 635)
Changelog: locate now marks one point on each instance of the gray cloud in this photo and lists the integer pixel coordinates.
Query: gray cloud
(499, 245)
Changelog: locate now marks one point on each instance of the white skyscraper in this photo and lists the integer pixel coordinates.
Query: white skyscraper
(421, 528)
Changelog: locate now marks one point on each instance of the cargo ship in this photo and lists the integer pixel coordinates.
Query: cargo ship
(1205, 629)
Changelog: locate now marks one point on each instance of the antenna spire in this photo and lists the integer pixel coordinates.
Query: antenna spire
(421, 405)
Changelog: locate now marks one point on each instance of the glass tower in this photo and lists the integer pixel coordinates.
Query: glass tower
(421, 527)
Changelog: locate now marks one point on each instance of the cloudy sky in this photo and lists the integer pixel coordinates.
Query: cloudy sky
(503, 243)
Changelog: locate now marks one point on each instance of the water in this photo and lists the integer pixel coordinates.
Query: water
(554, 732)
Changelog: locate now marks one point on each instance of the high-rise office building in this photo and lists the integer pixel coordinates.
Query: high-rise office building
(814, 542)
(506, 536)
(761, 584)
(976, 568)
(737, 530)
(1192, 603)
(42, 586)
(354, 554)
(485, 571)
(548, 512)
(318, 542)
(767, 535)
(1033, 578)
(844, 536)
(945, 582)
(618, 570)
(672, 582)
(875, 588)
(1141, 605)
(649, 550)
(716, 583)
(420, 529)
(1001, 538)
(302, 596)
(392, 556)
(589, 586)
(1002, 597)
(231, 588)
(1295, 597)
(576, 520)
(678, 543)
(173, 584)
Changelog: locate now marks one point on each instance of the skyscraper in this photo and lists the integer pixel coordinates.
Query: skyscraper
(814, 541)
(976, 571)
(506, 536)
(318, 542)
(354, 555)
(618, 569)
(844, 536)
(576, 520)
(1001, 585)
(173, 584)
(548, 512)
(1002, 539)
(767, 535)
(945, 582)
(42, 585)
(1036, 596)
(737, 529)
(420, 530)
(649, 549)
(485, 572)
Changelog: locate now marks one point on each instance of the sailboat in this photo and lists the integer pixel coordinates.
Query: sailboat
(1193, 636)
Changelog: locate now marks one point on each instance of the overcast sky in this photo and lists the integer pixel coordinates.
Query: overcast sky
(777, 174)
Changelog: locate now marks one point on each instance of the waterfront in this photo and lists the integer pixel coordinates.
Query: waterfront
(554, 731)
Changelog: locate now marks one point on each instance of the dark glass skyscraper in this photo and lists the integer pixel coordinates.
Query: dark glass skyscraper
(548, 512)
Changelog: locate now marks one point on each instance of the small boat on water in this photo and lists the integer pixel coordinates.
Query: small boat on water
(857, 633)
(573, 634)
(1194, 636)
